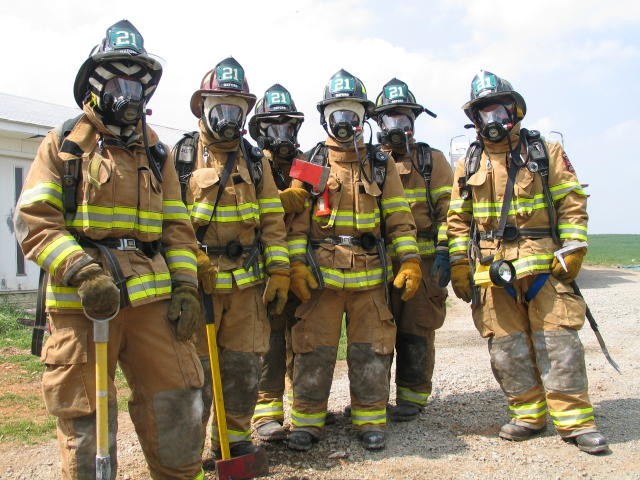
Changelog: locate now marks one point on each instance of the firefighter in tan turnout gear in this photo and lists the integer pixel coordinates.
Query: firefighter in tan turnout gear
(426, 177)
(338, 245)
(516, 201)
(275, 127)
(101, 213)
(243, 262)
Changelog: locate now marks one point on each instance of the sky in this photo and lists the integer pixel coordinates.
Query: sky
(575, 62)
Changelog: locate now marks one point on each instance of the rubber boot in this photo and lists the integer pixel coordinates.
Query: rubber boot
(271, 431)
(373, 439)
(517, 432)
(593, 443)
(405, 412)
(300, 440)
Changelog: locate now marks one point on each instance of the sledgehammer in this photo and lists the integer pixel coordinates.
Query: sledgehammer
(247, 466)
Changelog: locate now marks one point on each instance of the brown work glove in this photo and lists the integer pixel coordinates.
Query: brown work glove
(573, 261)
(277, 289)
(293, 199)
(302, 280)
(99, 295)
(184, 311)
(206, 272)
(409, 276)
(461, 279)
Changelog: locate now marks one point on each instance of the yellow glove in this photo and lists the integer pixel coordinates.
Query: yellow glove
(206, 272)
(573, 261)
(302, 280)
(184, 311)
(99, 295)
(293, 199)
(277, 289)
(409, 276)
(461, 279)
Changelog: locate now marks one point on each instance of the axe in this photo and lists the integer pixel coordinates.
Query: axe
(316, 176)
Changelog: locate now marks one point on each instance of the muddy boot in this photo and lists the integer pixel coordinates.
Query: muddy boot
(347, 411)
(238, 449)
(271, 431)
(300, 440)
(592, 443)
(373, 439)
(330, 419)
(517, 432)
(405, 412)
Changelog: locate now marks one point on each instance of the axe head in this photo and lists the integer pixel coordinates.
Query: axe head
(314, 175)
(244, 467)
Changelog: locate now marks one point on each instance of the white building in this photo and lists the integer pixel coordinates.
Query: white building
(23, 124)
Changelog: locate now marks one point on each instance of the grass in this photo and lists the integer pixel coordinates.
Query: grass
(613, 250)
(23, 417)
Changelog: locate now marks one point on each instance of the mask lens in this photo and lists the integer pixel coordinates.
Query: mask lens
(342, 124)
(122, 99)
(393, 121)
(496, 113)
(284, 131)
(226, 120)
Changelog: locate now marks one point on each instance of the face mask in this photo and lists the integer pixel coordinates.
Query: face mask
(495, 121)
(279, 139)
(396, 128)
(122, 101)
(225, 121)
(343, 125)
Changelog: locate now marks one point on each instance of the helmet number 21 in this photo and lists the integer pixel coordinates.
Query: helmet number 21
(229, 73)
(121, 38)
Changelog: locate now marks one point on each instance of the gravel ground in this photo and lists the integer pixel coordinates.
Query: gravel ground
(456, 437)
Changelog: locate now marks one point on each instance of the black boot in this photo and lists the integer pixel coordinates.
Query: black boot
(271, 431)
(373, 439)
(300, 440)
(518, 433)
(592, 443)
(405, 412)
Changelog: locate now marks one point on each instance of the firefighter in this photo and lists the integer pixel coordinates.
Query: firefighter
(243, 261)
(426, 177)
(516, 201)
(101, 213)
(275, 126)
(341, 237)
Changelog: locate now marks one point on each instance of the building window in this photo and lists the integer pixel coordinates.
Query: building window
(18, 174)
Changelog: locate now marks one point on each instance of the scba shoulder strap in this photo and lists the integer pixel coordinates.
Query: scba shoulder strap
(185, 151)
(425, 167)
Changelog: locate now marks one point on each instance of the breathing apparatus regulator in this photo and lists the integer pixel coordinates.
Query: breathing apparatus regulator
(223, 100)
(276, 123)
(395, 112)
(119, 77)
(494, 106)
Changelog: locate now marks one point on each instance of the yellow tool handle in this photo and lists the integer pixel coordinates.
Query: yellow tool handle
(102, 401)
(218, 399)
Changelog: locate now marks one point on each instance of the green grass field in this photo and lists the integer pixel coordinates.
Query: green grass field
(614, 250)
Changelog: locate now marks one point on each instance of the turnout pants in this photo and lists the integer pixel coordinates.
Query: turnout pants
(536, 354)
(370, 343)
(242, 331)
(164, 376)
(417, 320)
(277, 368)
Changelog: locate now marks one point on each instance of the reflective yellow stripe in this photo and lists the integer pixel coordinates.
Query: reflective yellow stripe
(561, 190)
(458, 244)
(224, 280)
(62, 297)
(361, 279)
(270, 205)
(404, 245)
(518, 206)
(44, 192)
(273, 409)
(347, 218)
(200, 475)
(275, 253)
(528, 410)
(234, 436)
(572, 231)
(114, 218)
(459, 206)
(225, 213)
(297, 247)
(299, 419)
(369, 417)
(149, 285)
(568, 418)
(174, 210)
(57, 252)
(419, 398)
(393, 205)
(177, 259)
(532, 264)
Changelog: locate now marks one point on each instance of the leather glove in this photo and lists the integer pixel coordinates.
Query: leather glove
(293, 199)
(277, 289)
(302, 280)
(409, 276)
(206, 272)
(184, 311)
(99, 295)
(441, 268)
(573, 261)
(461, 279)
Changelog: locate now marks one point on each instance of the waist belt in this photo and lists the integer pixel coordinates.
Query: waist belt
(123, 244)
(366, 241)
(233, 249)
(511, 232)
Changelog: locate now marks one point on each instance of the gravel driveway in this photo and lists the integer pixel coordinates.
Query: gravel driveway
(456, 438)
